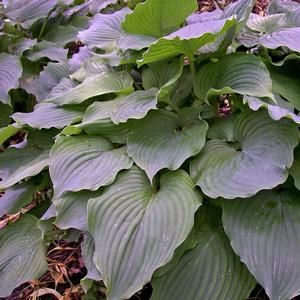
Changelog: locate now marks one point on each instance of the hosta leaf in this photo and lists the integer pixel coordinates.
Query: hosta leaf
(204, 16)
(5, 112)
(134, 41)
(286, 82)
(235, 73)
(94, 123)
(51, 50)
(79, 58)
(263, 231)
(211, 270)
(22, 256)
(61, 34)
(165, 140)
(17, 164)
(96, 85)
(91, 66)
(48, 115)
(158, 18)
(41, 86)
(64, 86)
(222, 129)
(10, 72)
(88, 249)
(134, 106)
(279, 6)
(295, 169)
(104, 30)
(85, 162)
(288, 37)
(276, 111)
(266, 24)
(97, 5)
(16, 197)
(186, 40)
(136, 229)
(257, 161)
(71, 209)
(28, 11)
(164, 77)
(21, 45)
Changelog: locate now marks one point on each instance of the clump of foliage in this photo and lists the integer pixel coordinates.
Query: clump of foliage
(169, 140)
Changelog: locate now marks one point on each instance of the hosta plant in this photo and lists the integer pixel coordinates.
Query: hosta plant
(167, 139)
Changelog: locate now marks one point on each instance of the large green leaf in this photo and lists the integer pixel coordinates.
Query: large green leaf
(295, 169)
(235, 73)
(28, 11)
(136, 228)
(286, 81)
(211, 270)
(163, 76)
(16, 197)
(22, 255)
(10, 72)
(17, 164)
(186, 40)
(48, 115)
(279, 6)
(96, 85)
(288, 37)
(104, 30)
(51, 50)
(88, 249)
(5, 112)
(158, 18)
(276, 110)
(41, 86)
(266, 24)
(106, 128)
(85, 162)
(257, 161)
(97, 5)
(263, 231)
(165, 140)
(134, 106)
(71, 209)
(107, 118)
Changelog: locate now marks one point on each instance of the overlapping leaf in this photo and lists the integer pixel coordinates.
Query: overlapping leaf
(165, 140)
(263, 231)
(235, 73)
(17, 164)
(41, 86)
(96, 85)
(28, 11)
(186, 40)
(16, 197)
(10, 72)
(276, 110)
(48, 115)
(85, 162)
(71, 209)
(88, 249)
(211, 270)
(154, 17)
(136, 228)
(22, 255)
(104, 30)
(257, 161)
